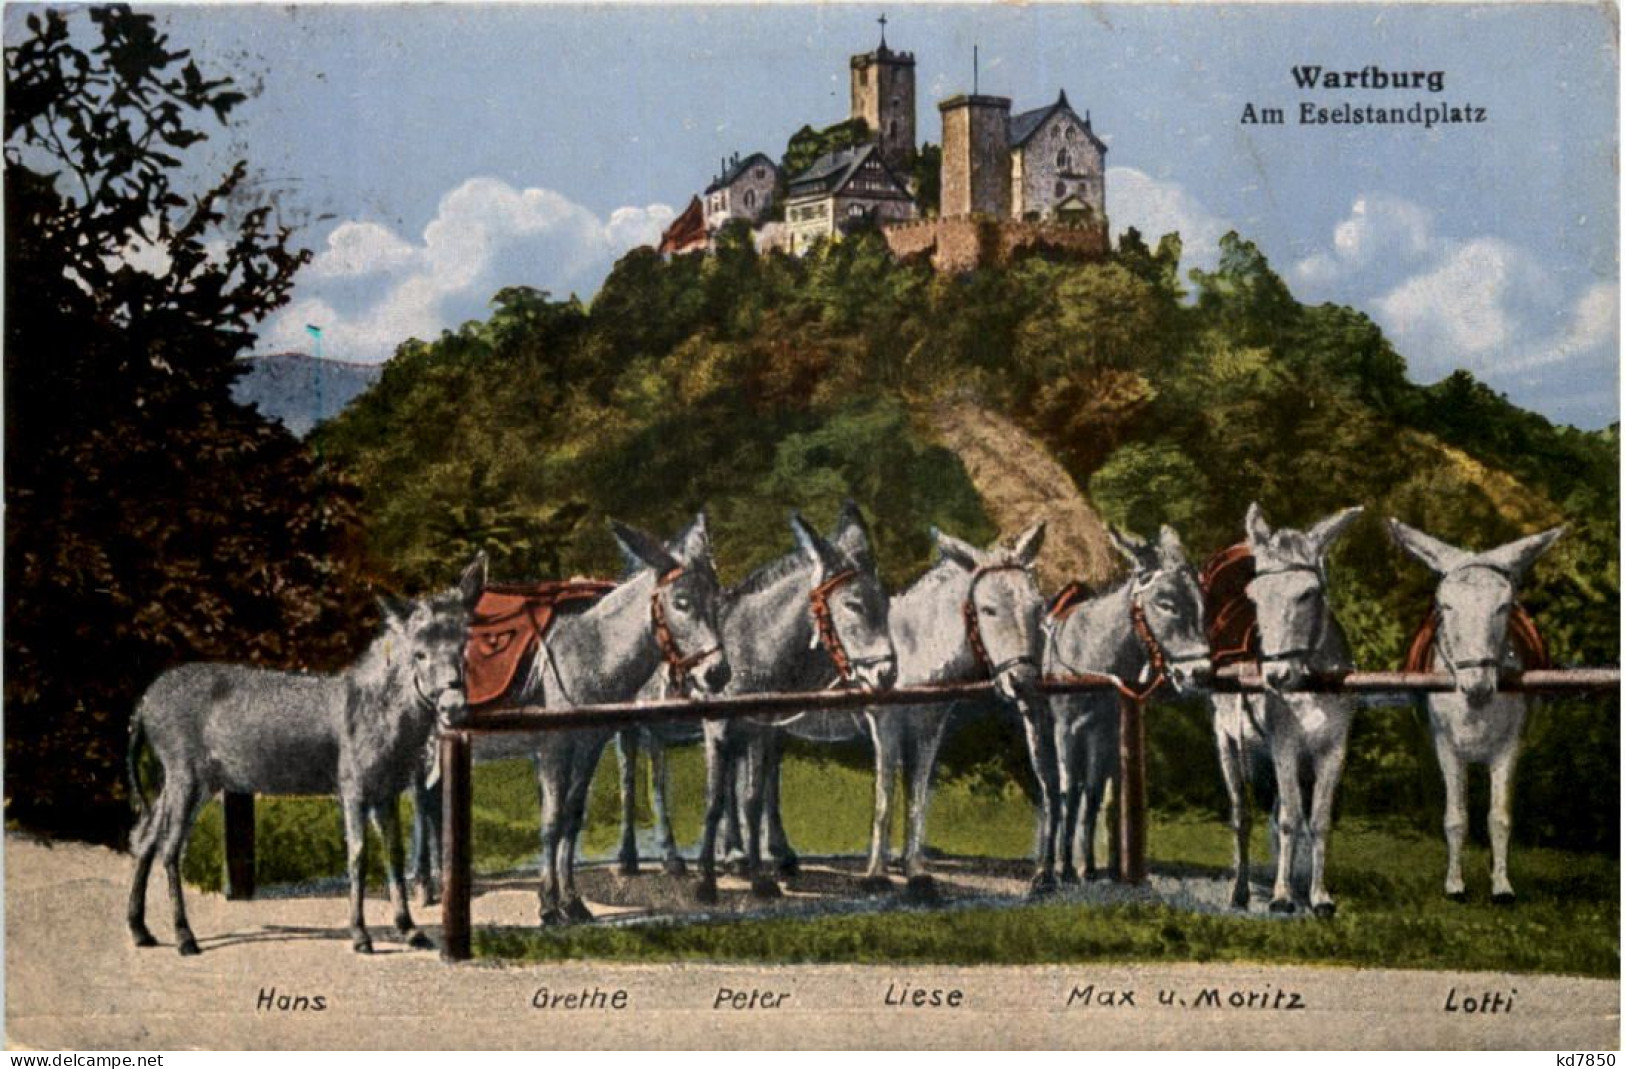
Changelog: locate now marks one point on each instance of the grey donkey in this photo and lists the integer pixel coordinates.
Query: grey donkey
(360, 734)
(1294, 742)
(1144, 632)
(976, 614)
(1476, 723)
(813, 619)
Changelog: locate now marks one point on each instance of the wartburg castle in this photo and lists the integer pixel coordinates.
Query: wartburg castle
(1008, 183)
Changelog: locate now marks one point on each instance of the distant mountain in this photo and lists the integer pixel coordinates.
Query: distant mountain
(301, 391)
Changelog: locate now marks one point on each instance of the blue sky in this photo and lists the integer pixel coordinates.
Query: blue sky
(431, 155)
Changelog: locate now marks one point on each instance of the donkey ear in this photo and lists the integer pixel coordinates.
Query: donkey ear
(472, 584)
(1169, 548)
(1258, 531)
(642, 550)
(852, 535)
(1323, 534)
(1129, 547)
(694, 544)
(1516, 557)
(961, 553)
(825, 558)
(1028, 544)
(1439, 556)
(395, 612)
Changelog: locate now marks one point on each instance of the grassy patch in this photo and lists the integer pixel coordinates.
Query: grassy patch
(1386, 877)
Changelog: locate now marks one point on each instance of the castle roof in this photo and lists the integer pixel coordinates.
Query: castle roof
(832, 171)
(733, 170)
(1028, 123)
(687, 231)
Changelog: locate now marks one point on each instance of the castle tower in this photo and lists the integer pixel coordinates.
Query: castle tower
(883, 97)
(975, 156)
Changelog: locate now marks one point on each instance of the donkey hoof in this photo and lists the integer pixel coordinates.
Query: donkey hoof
(1325, 910)
(1240, 897)
(765, 887)
(1459, 897)
(922, 889)
(674, 866)
(1503, 898)
(705, 892)
(1283, 906)
(875, 885)
(418, 941)
(576, 910)
(736, 866)
(789, 865)
(1042, 886)
(361, 945)
(1069, 876)
(628, 868)
(188, 947)
(142, 937)
(553, 917)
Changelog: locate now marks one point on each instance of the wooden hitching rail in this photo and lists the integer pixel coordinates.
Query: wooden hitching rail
(457, 768)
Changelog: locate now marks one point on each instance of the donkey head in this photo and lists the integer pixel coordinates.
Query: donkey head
(433, 633)
(683, 607)
(1475, 600)
(1289, 592)
(850, 607)
(1002, 608)
(1167, 599)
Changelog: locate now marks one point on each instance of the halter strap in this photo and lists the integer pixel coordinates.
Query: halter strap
(973, 626)
(1297, 651)
(1142, 631)
(677, 665)
(825, 622)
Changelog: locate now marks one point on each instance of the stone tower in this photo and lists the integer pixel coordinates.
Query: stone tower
(975, 156)
(883, 97)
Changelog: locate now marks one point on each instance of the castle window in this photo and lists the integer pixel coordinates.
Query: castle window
(750, 198)
(1063, 160)
(1060, 190)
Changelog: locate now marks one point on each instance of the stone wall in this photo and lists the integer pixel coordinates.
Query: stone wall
(964, 244)
(883, 97)
(1043, 182)
(975, 156)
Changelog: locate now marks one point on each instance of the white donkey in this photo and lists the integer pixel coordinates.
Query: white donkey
(1475, 723)
(1304, 734)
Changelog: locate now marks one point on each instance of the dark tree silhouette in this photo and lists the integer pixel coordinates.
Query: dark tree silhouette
(149, 519)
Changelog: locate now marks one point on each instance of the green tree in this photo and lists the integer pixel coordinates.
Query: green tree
(149, 519)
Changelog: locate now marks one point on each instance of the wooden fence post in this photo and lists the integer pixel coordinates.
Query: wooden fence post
(456, 853)
(1131, 790)
(239, 844)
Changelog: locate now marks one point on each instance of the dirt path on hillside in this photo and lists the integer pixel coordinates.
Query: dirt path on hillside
(1019, 481)
(74, 981)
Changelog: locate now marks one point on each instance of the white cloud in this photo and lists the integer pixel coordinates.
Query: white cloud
(370, 289)
(1484, 303)
(1379, 229)
(1155, 207)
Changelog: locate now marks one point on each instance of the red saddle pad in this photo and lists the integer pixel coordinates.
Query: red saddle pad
(1232, 620)
(1526, 640)
(508, 625)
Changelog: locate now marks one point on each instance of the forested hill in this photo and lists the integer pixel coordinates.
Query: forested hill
(751, 386)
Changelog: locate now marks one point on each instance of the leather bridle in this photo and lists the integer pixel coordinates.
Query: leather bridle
(973, 626)
(1312, 646)
(1439, 642)
(830, 636)
(677, 665)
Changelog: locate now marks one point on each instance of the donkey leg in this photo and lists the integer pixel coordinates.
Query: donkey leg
(185, 802)
(718, 770)
(386, 818)
(884, 736)
(574, 908)
(1041, 752)
(1073, 775)
(762, 885)
(1289, 818)
(355, 849)
(425, 868)
(659, 788)
(626, 754)
(144, 848)
(921, 885)
(1233, 765)
(1502, 771)
(737, 786)
(1327, 774)
(778, 843)
(548, 782)
(1455, 816)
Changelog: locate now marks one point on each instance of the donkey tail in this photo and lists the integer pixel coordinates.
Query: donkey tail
(132, 765)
